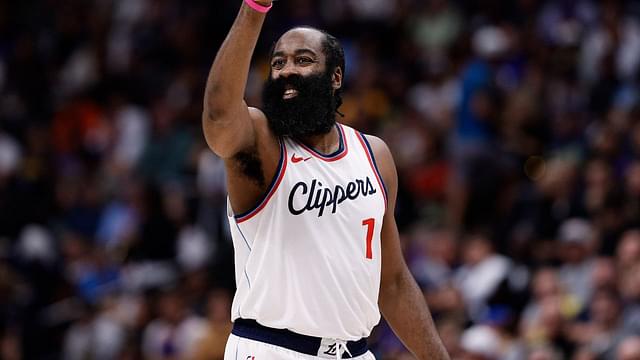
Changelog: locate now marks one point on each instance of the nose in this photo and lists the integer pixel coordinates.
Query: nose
(288, 69)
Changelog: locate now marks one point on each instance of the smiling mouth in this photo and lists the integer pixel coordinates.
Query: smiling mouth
(290, 93)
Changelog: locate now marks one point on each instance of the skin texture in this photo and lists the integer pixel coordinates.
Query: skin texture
(237, 132)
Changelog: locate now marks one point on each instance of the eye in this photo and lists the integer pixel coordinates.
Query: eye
(304, 60)
(278, 64)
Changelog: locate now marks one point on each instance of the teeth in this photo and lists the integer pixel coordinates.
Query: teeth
(290, 92)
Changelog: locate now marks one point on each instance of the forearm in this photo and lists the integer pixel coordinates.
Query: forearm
(227, 78)
(405, 309)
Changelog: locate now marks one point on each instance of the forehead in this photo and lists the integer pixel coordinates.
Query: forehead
(300, 38)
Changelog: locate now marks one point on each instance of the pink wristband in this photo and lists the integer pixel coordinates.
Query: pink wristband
(257, 7)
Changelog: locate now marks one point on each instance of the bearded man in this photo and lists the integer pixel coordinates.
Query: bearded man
(311, 204)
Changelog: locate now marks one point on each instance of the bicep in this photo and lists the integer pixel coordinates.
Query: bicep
(230, 133)
(252, 162)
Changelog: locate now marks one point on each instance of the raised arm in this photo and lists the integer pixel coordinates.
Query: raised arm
(401, 301)
(229, 125)
(237, 133)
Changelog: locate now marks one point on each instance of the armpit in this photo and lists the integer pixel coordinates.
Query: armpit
(250, 165)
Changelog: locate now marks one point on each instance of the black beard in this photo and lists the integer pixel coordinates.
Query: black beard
(310, 112)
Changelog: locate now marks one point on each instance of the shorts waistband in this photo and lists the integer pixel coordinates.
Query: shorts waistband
(310, 345)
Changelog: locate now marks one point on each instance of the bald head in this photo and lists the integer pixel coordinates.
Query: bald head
(629, 348)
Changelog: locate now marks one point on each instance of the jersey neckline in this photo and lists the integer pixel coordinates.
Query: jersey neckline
(341, 152)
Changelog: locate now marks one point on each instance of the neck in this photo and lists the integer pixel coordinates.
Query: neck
(325, 143)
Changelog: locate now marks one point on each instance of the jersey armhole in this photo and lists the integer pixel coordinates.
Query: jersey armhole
(372, 162)
(275, 182)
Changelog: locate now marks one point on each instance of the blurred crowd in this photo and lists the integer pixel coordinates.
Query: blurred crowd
(515, 127)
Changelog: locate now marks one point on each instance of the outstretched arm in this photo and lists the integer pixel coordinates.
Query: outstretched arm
(401, 300)
(227, 121)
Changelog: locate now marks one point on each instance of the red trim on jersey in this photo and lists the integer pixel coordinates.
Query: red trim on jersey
(274, 186)
(374, 167)
(333, 157)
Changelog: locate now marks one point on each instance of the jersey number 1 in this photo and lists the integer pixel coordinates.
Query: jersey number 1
(369, 223)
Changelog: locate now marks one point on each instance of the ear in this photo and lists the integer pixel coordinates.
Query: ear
(336, 78)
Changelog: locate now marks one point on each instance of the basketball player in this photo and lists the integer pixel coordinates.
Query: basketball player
(311, 204)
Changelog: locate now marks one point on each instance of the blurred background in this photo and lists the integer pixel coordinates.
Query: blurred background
(515, 127)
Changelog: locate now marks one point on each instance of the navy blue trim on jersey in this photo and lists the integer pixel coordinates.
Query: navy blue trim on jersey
(375, 164)
(274, 183)
(335, 153)
(310, 345)
(343, 148)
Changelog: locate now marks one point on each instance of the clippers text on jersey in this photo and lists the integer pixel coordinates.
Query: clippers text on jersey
(320, 197)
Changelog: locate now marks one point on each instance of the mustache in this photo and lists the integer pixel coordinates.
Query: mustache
(295, 81)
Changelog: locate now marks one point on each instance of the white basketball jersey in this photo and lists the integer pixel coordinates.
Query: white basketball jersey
(308, 258)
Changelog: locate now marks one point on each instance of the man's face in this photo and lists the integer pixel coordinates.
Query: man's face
(299, 97)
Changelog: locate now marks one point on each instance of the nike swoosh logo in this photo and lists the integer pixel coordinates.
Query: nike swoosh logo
(295, 159)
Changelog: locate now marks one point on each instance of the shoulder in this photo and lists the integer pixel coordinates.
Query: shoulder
(250, 170)
(383, 159)
(266, 143)
(378, 146)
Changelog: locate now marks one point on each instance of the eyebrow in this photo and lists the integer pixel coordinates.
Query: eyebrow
(297, 52)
